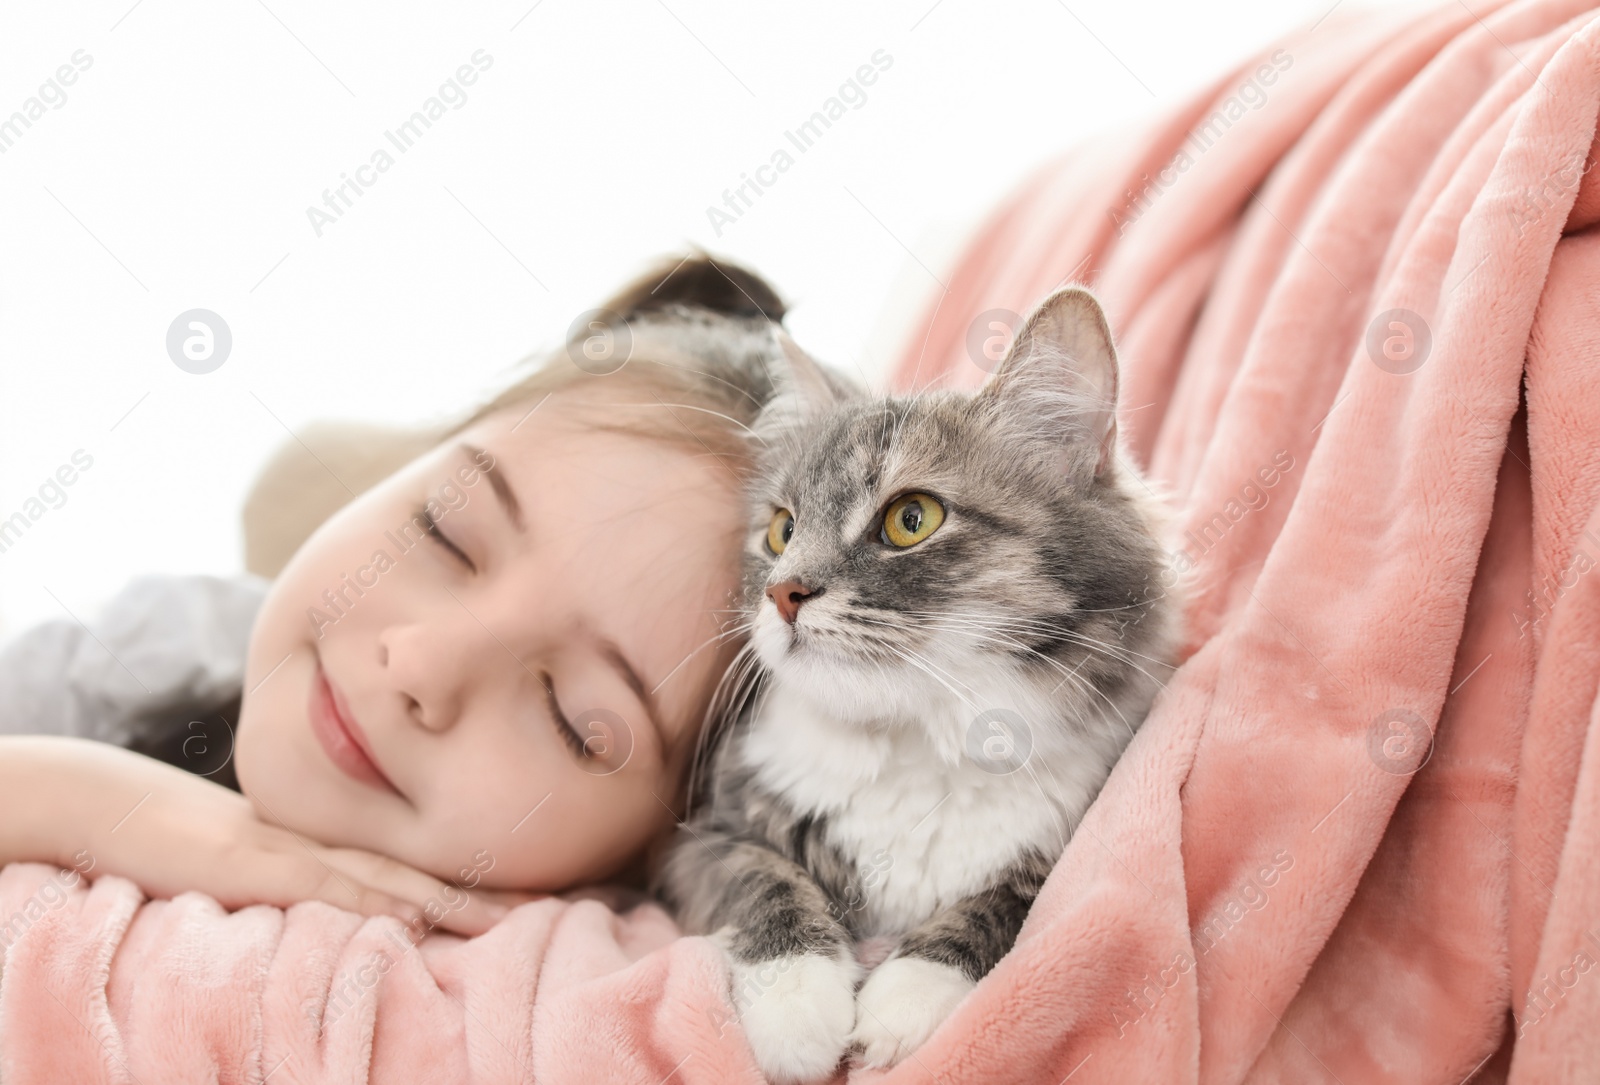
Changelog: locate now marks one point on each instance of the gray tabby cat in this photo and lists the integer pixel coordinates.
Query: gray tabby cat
(956, 602)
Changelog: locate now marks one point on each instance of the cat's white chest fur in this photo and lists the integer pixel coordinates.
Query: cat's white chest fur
(923, 824)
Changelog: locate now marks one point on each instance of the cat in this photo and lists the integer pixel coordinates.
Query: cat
(958, 614)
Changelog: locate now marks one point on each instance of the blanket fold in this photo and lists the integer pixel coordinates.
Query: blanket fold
(1355, 285)
(1392, 673)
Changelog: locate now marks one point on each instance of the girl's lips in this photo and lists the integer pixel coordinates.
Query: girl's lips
(341, 737)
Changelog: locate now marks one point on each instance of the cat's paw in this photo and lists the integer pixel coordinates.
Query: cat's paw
(797, 1013)
(901, 1004)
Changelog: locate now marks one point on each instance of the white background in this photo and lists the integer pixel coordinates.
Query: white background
(178, 173)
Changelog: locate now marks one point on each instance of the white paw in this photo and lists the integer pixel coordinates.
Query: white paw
(797, 1013)
(902, 1003)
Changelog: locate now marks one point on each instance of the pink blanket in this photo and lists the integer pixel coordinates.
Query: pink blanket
(1356, 839)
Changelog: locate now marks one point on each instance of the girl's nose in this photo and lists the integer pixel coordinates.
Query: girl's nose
(429, 671)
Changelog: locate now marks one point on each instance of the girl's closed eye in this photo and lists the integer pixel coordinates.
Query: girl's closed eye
(436, 533)
(564, 728)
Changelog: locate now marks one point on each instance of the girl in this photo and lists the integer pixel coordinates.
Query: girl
(487, 672)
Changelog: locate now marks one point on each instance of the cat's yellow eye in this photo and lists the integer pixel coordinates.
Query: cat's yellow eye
(780, 530)
(910, 519)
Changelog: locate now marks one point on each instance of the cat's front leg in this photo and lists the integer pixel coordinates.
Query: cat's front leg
(794, 971)
(908, 996)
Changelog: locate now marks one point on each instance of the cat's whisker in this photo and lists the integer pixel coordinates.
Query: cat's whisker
(931, 673)
(732, 690)
(1113, 652)
(988, 636)
(1119, 653)
(1028, 624)
(1145, 602)
(1062, 833)
(1092, 688)
(735, 387)
(1079, 681)
(1047, 624)
(716, 638)
(890, 430)
(968, 627)
(703, 410)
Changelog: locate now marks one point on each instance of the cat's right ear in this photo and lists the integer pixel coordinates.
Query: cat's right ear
(803, 383)
(802, 388)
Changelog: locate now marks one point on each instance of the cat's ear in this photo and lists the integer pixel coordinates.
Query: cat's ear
(1061, 371)
(802, 386)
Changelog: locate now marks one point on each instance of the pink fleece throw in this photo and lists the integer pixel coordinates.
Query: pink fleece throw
(1357, 288)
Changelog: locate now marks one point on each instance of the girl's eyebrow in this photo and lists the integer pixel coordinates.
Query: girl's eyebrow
(497, 481)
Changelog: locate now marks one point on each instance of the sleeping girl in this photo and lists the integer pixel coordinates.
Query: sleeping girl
(484, 676)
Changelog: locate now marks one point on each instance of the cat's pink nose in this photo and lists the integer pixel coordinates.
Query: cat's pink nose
(788, 596)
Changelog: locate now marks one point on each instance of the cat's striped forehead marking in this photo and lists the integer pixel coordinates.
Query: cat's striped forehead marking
(850, 471)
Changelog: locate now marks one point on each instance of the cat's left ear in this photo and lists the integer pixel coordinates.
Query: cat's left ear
(1061, 371)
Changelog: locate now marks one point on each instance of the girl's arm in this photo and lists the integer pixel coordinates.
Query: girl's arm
(101, 809)
(157, 647)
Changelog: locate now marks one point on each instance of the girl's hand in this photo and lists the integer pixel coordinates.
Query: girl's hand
(104, 810)
(443, 904)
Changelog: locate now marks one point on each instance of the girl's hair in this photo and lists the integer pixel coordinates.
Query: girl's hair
(684, 352)
(690, 350)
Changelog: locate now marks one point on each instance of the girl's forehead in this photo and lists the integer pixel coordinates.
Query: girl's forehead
(586, 453)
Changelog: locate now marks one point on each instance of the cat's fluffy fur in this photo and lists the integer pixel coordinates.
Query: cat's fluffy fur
(921, 740)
